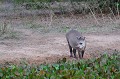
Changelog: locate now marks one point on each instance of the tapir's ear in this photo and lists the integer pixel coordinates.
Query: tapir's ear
(78, 38)
(84, 38)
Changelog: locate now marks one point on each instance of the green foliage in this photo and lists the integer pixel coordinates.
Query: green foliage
(22, 1)
(104, 67)
(77, 5)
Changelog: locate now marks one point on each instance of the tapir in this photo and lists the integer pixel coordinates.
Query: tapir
(76, 42)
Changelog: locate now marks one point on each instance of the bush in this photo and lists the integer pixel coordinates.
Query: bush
(104, 67)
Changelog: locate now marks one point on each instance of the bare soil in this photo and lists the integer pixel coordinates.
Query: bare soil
(50, 47)
(35, 47)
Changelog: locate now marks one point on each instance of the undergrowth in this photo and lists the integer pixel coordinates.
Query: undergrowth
(104, 67)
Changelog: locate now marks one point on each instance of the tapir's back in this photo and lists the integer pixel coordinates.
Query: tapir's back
(73, 33)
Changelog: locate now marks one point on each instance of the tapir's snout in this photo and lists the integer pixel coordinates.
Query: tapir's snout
(80, 47)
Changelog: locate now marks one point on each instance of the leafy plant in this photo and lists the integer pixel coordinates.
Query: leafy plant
(101, 68)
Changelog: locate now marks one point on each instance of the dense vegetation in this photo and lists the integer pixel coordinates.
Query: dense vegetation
(103, 4)
(104, 67)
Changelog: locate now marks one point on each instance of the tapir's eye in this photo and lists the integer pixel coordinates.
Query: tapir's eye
(80, 43)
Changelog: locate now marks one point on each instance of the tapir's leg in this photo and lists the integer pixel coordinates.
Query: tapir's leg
(82, 53)
(74, 51)
(70, 50)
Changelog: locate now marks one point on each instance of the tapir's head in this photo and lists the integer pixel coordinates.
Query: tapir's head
(81, 43)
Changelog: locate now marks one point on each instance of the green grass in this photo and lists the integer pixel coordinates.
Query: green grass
(10, 35)
(104, 67)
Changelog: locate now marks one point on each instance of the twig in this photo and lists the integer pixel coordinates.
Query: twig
(102, 15)
(112, 13)
(51, 18)
(112, 21)
(118, 10)
(3, 29)
(94, 16)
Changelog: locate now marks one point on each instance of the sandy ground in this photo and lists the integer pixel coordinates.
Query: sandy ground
(39, 48)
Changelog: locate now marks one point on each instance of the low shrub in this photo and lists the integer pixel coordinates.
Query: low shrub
(104, 67)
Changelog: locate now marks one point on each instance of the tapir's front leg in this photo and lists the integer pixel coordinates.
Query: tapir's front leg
(74, 52)
(80, 54)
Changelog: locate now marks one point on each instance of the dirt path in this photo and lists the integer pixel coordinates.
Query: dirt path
(40, 48)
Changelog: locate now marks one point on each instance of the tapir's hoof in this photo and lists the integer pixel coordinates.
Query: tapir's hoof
(71, 56)
(80, 57)
(75, 57)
